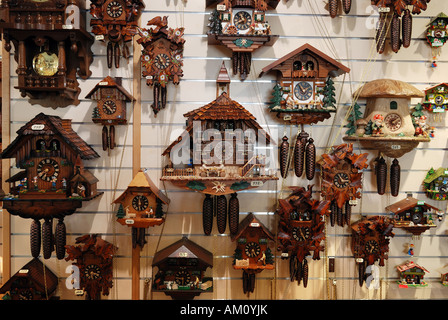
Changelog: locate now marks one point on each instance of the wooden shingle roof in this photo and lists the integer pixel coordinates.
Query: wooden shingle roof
(251, 221)
(109, 82)
(408, 203)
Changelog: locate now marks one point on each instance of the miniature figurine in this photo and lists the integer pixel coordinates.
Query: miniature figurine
(377, 125)
(411, 250)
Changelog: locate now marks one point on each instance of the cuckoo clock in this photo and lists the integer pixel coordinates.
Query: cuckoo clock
(94, 258)
(437, 35)
(370, 242)
(435, 184)
(117, 22)
(162, 58)
(52, 48)
(34, 281)
(413, 215)
(341, 171)
(436, 99)
(253, 252)
(241, 26)
(182, 270)
(301, 230)
(389, 126)
(221, 158)
(111, 100)
(141, 207)
(411, 275)
(53, 182)
(304, 94)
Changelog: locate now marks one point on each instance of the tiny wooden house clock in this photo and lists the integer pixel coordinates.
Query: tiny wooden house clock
(253, 253)
(301, 230)
(52, 48)
(116, 21)
(436, 98)
(182, 270)
(111, 100)
(162, 58)
(241, 26)
(94, 258)
(53, 182)
(342, 171)
(370, 242)
(141, 207)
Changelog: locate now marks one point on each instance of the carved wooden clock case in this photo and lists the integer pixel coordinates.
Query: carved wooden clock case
(162, 58)
(94, 258)
(301, 230)
(117, 22)
(341, 171)
(111, 99)
(52, 183)
(52, 48)
(370, 242)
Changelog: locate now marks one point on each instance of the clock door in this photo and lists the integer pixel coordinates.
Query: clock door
(303, 91)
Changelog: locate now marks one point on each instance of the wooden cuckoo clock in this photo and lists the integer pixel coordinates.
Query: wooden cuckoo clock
(341, 171)
(117, 22)
(162, 58)
(52, 48)
(435, 184)
(34, 281)
(370, 242)
(94, 258)
(241, 26)
(220, 165)
(52, 183)
(182, 270)
(437, 35)
(301, 230)
(141, 207)
(436, 99)
(388, 125)
(411, 275)
(253, 252)
(413, 215)
(111, 100)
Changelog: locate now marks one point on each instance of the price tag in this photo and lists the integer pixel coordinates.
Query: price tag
(287, 118)
(183, 254)
(384, 9)
(149, 77)
(67, 26)
(395, 147)
(255, 224)
(103, 83)
(256, 183)
(37, 127)
(221, 7)
(129, 221)
(99, 37)
(359, 260)
(353, 202)
(285, 255)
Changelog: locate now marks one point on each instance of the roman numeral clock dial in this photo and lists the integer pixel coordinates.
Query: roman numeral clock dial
(48, 169)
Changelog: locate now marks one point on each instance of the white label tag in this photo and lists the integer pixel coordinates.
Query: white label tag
(37, 127)
(256, 183)
(129, 221)
(99, 37)
(67, 26)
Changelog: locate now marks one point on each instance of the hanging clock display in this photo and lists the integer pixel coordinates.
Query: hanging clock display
(370, 242)
(435, 184)
(253, 253)
(342, 172)
(111, 109)
(115, 21)
(94, 258)
(301, 230)
(436, 100)
(52, 183)
(437, 35)
(162, 58)
(52, 48)
(241, 26)
(141, 207)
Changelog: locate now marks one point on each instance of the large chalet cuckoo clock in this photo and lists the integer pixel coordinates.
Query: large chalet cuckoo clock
(52, 182)
(141, 207)
(162, 58)
(115, 21)
(253, 252)
(241, 26)
(301, 230)
(370, 242)
(111, 110)
(182, 268)
(94, 258)
(342, 172)
(52, 48)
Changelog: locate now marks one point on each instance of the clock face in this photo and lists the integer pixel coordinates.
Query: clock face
(301, 233)
(25, 294)
(109, 107)
(438, 99)
(182, 277)
(162, 61)
(45, 63)
(417, 217)
(252, 249)
(48, 169)
(393, 121)
(303, 91)
(114, 9)
(341, 180)
(242, 20)
(140, 203)
(371, 246)
(92, 272)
